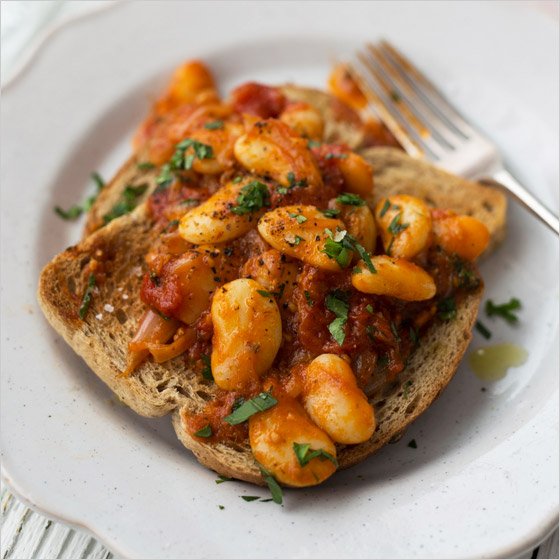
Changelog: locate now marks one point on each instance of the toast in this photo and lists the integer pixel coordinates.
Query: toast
(158, 389)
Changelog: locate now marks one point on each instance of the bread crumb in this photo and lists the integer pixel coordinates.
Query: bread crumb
(137, 270)
(99, 316)
(109, 308)
(125, 296)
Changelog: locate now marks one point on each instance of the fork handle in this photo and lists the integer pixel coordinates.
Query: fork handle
(504, 179)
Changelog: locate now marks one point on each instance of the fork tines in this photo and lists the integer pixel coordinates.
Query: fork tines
(420, 118)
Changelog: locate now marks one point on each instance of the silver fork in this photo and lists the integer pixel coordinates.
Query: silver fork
(427, 126)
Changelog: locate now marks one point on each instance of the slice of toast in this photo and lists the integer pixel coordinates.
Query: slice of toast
(157, 389)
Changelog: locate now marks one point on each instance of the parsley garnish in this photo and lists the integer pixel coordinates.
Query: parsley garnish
(127, 202)
(261, 402)
(292, 183)
(483, 330)
(205, 432)
(237, 180)
(331, 212)
(447, 309)
(221, 478)
(145, 165)
(369, 308)
(250, 498)
(313, 144)
(189, 202)
(253, 196)
(386, 206)
(504, 310)
(296, 241)
(171, 225)
(298, 217)
(86, 300)
(395, 227)
(339, 246)
(77, 210)
(214, 125)
(308, 298)
(264, 293)
(339, 156)
(304, 454)
(163, 180)
(273, 486)
(181, 160)
(207, 369)
(351, 199)
(337, 302)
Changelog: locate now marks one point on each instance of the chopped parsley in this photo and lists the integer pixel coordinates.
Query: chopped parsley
(214, 125)
(165, 177)
(351, 199)
(304, 454)
(237, 180)
(205, 432)
(207, 369)
(86, 300)
(339, 156)
(295, 241)
(264, 293)
(447, 309)
(386, 206)
(308, 298)
(339, 246)
(171, 225)
(337, 302)
(483, 330)
(292, 183)
(369, 308)
(412, 443)
(189, 202)
(261, 402)
(221, 478)
(126, 203)
(77, 210)
(298, 217)
(395, 227)
(313, 144)
(331, 212)
(145, 165)
(252, 197)
(250, 498)
(273, 486)
(181, 160)
(504, 310)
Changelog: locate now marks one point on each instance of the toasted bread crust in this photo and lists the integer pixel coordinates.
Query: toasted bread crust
(158, 389)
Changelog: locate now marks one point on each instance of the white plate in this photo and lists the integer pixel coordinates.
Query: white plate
(483, 481)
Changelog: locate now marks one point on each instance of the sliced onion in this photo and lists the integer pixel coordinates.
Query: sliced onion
(184, 338)
(153, 329)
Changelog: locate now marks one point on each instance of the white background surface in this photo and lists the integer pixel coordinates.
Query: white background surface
(540, 171)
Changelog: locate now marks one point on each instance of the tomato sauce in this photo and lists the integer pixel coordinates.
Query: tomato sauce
(380, 333)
